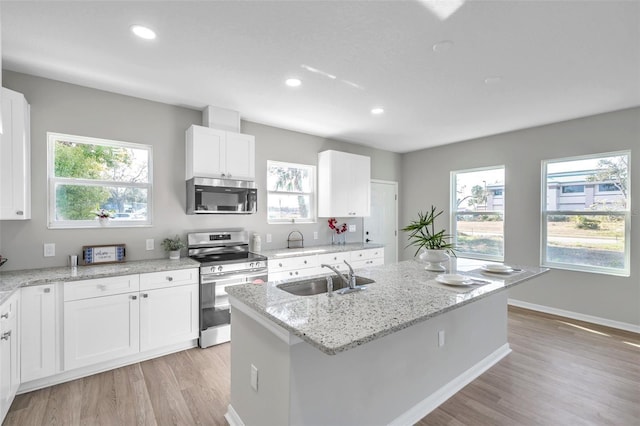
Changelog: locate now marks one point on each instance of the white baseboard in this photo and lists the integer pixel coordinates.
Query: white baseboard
(576, 316)
(232, 417)
(81, 372)
(434, 400)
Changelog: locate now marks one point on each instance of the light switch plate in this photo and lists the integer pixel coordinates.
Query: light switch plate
(49, 249)
(150, 244)
(315, 235)
(268, 238)
(352, 228)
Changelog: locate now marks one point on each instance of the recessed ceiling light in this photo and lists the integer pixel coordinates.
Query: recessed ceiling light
(493, 80)
(377, 111)
(442, 46)
(143, 32)
(293, 82)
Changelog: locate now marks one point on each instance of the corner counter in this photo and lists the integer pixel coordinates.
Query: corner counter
(12, 280)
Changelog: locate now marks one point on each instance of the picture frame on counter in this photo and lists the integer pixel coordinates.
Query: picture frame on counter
(103, 254)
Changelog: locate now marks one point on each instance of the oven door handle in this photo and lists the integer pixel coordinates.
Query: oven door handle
(241, 278)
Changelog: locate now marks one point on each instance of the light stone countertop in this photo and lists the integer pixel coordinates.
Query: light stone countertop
(311, 250)
(404, 294)
(13, 280)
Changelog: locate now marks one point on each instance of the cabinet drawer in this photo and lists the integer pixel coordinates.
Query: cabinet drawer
(164, 279)
(335, 258)
(85, 289)
(367, 254)
(290, 263)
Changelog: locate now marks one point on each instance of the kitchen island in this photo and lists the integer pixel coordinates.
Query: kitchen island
(386, 355)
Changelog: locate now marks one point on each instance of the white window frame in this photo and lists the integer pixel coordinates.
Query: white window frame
(626, 271)
(53, 180)
(312, 194)
(454, 213)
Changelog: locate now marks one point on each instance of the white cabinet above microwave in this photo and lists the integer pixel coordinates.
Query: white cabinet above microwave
(214, 153)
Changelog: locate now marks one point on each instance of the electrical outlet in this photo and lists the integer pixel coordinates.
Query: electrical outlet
(254, 377)
(352, 228)
(315, 235)
(49, 249)
(150, 244)
(268, 238)
(440, 338)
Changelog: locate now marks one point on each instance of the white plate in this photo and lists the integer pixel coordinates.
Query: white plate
(499, 269)
(454, 279)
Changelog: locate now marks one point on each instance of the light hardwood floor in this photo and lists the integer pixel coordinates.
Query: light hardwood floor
(561, 372)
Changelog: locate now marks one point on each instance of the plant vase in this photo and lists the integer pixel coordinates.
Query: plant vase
(174, 254)
(104, 221)
(434, 259)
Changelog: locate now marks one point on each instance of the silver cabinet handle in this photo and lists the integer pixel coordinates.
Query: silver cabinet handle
(6, 335)
(169, 278)
(5, 315)
(134, 297)
(145, 295)
(20, 213)
(305, 262)
(47, 290)
(280, 264)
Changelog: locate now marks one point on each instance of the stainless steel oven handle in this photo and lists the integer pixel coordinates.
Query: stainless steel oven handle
(241, 278)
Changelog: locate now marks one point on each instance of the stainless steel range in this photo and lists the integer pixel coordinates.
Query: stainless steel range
(225, 260)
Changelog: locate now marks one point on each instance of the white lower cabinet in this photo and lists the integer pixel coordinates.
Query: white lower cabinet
(292, 267)
(168, 316)
(101, 329)
(38, 332)
(110, 318)
(9, 353)
(367, 257)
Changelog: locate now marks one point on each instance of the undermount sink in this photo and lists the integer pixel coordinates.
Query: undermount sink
(318, 285)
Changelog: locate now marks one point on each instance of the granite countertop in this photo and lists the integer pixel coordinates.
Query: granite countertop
(12, 280)
(403, 294)
(308, 251)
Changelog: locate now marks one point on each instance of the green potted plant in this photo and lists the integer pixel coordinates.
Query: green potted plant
(436, 246)
(173, 246)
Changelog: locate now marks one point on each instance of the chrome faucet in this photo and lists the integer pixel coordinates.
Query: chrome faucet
(349, 281)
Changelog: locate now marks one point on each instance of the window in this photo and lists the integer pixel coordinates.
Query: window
(592, 232)
(572, 189)
(478, 213)
(607, 187)
(290, 193)
(89, 174)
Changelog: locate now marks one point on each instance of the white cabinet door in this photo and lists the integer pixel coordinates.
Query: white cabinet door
(37, 332)
(100, 329)
(9, 354)
(343, 184)
(205, 152)
(217, 153)
(240, 156)
(15, 157)
(168, 316)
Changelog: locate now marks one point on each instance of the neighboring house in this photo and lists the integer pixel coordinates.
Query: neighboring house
(568, 191)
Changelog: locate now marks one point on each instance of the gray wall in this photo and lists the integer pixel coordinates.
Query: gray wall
(425, 180)
(67, 108)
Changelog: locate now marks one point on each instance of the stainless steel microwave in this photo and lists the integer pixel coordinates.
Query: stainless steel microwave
(221, 196)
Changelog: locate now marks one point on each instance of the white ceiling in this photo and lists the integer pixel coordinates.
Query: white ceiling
(557, 60)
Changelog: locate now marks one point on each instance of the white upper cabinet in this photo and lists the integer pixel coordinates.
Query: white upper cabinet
(344, 184)
(15, 158)
(218, 153)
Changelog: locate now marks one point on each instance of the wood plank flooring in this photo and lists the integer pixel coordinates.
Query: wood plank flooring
(561, 372)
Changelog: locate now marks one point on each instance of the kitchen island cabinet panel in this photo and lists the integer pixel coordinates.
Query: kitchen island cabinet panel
(101, 329)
